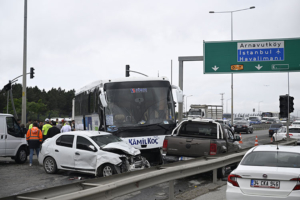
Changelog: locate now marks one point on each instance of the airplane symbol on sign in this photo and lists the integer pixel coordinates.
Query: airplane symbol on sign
(278, 52)
(215, 68)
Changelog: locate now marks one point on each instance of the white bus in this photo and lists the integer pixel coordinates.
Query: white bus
(141, 111)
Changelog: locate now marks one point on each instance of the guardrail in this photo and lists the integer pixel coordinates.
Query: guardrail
(261, 126)
(121, 184)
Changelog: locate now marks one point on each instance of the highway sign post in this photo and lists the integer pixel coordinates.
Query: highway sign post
(252, 56)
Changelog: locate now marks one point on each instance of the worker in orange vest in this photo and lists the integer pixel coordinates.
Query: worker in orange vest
(34, 138)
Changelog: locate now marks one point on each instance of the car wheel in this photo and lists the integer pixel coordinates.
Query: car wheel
(50, 165)
(107, 170)
(21, 156)
(221, 172)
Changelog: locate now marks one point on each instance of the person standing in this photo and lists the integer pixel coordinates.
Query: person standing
(31, 125)
(23, 130)
(34, 138)
(73, 125)
(46, 128)
(66, 128)
(53, 130)
(28, 124)
(58, 124)
(41, 126)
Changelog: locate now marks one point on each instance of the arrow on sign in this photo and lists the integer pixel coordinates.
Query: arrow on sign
(258, 67)
(215, 68)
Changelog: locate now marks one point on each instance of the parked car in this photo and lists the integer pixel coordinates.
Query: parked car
(99, 153)
(196, 138)
(266, 172)
(255, 120)
(264, 120)
(273, 121)
(296, 123)
(243, 127)
(236, 119)
(294, 132)
(12, 140)
(273, 128)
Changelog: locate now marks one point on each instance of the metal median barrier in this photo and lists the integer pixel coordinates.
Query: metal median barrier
(121, 184)
(261, 126)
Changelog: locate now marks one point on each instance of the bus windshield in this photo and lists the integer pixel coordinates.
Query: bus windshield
(139, 103)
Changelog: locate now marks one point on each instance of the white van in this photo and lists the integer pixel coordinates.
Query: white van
(12, 142)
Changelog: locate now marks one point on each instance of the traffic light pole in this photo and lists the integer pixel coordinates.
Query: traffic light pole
(23, 119)
(288, 121)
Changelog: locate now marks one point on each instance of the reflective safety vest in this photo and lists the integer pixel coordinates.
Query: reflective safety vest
(34, 134)
(30, 126)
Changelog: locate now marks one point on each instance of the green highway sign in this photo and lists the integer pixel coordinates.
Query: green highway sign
(252, 56)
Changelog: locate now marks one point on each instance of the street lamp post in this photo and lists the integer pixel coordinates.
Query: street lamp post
(186, 104)
(227, 105)
(231, 12)
(258, 106)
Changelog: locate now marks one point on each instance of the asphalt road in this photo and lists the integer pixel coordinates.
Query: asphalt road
(21, 178)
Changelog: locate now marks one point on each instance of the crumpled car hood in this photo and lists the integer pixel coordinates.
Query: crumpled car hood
(122, 146)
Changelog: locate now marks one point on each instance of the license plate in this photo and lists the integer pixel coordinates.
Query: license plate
(265, 184)
(184, 158)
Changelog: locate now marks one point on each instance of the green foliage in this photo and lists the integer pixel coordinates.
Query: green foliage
(40, 104)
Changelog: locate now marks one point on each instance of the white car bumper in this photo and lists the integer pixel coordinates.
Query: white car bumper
(235, 193)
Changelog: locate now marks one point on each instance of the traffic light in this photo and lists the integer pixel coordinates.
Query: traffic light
(291, 104)
(31, 72)
(283, 105)
(7, 87)
(127, 71)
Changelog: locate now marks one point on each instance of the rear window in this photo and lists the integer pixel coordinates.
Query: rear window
(294, 130)
(208, 130)
(276, 125)
(272, 159)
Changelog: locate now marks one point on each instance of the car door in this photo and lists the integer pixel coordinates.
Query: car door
(13, 137)
(231, 147)
(63, 152)
(2, 136)
(85, 157)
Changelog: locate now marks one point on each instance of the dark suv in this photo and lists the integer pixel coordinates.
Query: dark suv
(273, 128)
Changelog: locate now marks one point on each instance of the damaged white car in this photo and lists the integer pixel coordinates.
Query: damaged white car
(94, 152)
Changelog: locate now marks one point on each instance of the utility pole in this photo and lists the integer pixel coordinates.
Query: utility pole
(222, 99)
(24, 65)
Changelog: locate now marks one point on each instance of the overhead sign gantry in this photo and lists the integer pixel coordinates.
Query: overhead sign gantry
(252, 56)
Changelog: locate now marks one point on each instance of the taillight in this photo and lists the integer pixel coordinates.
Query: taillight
(297, 186)
(290, 134)
(213, 149)
(232, 178)
(165, 145)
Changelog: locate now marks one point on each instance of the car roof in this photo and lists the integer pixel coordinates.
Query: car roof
(87, 133)
(292, 149)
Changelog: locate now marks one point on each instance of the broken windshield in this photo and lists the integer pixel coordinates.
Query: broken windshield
(139, 103)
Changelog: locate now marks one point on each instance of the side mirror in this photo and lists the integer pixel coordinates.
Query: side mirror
(103, 100)
(91, 147)
(179, 93)
(237, 138)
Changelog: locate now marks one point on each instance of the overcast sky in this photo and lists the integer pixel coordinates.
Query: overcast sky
(72, 43)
